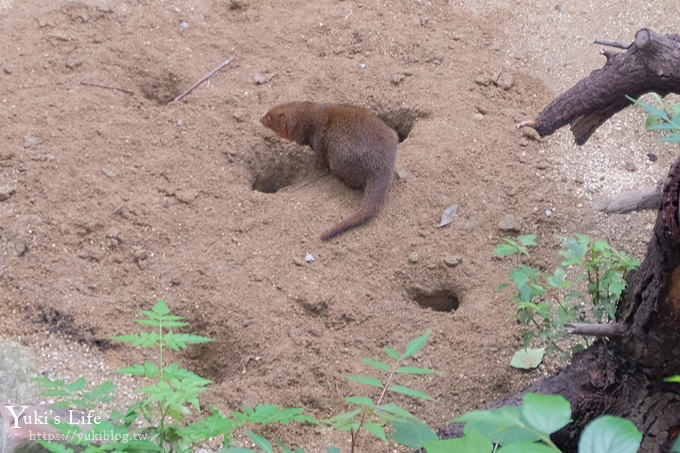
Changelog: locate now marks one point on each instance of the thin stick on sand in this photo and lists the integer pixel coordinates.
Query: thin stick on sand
(203, 79)
(107, 87)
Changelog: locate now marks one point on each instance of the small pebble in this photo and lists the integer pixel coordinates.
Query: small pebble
(452, 260)
(309, 258)
(652, 157)
(186, 195)
(184, 25)
(397, 79)
(6, 192)
(413, 258)
(478, 116)
(239, 116)
(264, 77)
(542, 165)
(30, 140)
(510, 223)
(402, 175)
(505, 80)
(111, 173)
(548, 212)
(630, 166)
(298, 262)
(483, 79)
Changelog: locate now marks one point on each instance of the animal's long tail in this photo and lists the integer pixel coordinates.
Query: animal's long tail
(375, 193)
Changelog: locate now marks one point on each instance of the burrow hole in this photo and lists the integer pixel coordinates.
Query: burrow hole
(161, 88)
(401, 120)
(439, 299)
(275, 166)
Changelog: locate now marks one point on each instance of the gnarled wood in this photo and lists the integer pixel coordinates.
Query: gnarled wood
(651, 63)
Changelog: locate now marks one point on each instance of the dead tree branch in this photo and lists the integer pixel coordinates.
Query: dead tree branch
(650, 63)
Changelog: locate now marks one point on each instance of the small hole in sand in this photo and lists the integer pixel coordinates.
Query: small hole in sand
(161, 88)
(441, 299)
(275, 167)
(401, 120)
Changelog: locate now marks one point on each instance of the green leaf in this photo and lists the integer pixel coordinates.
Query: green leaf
(609, 434)
(412, 433)
(177, 341)
(527, 358)
(650, 109)
(392, 353)
(260, 441)
(148, 369)
(366, 380)
(332, 449)
(675, 378)
(522, 275)
(415, 370)
(528, 447)
(165, 323)
(576, 249)
(344, 421)
(76, 385)
(375, 364)
(505, 250)
(101, 392)
(360, 400)
(283, 447)
(671, 138)
(654, 124)
(410, 392)
(393, 409)
(54, 447)
(208, 427)
(416, 344)
(558, 279)
(144, 339)
(500, 425)
(56, 392)
(528, 239)
(48, 383)
(472, 442)
(377, 430)
(545, 413)
(160, 308)
(676, 446)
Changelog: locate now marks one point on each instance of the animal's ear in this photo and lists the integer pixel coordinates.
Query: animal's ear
(266, 120)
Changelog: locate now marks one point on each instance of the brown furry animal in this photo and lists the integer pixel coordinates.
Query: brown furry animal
(352, 142)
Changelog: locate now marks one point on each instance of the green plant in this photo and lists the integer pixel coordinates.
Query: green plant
(666, 120)
(160, 420)
(527, 428)
(548, 301)
(376, 416)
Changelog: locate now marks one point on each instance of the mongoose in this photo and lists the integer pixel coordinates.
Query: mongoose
(352, 142)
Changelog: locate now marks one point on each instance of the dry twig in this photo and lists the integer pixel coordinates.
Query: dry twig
(203, 79)
(606, 42)
(107, 87)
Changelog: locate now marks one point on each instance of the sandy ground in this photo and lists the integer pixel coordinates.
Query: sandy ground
(120, 199)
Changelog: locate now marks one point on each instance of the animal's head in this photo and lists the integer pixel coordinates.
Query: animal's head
(276, 120)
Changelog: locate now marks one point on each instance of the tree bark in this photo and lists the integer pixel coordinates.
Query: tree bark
(624, 374)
